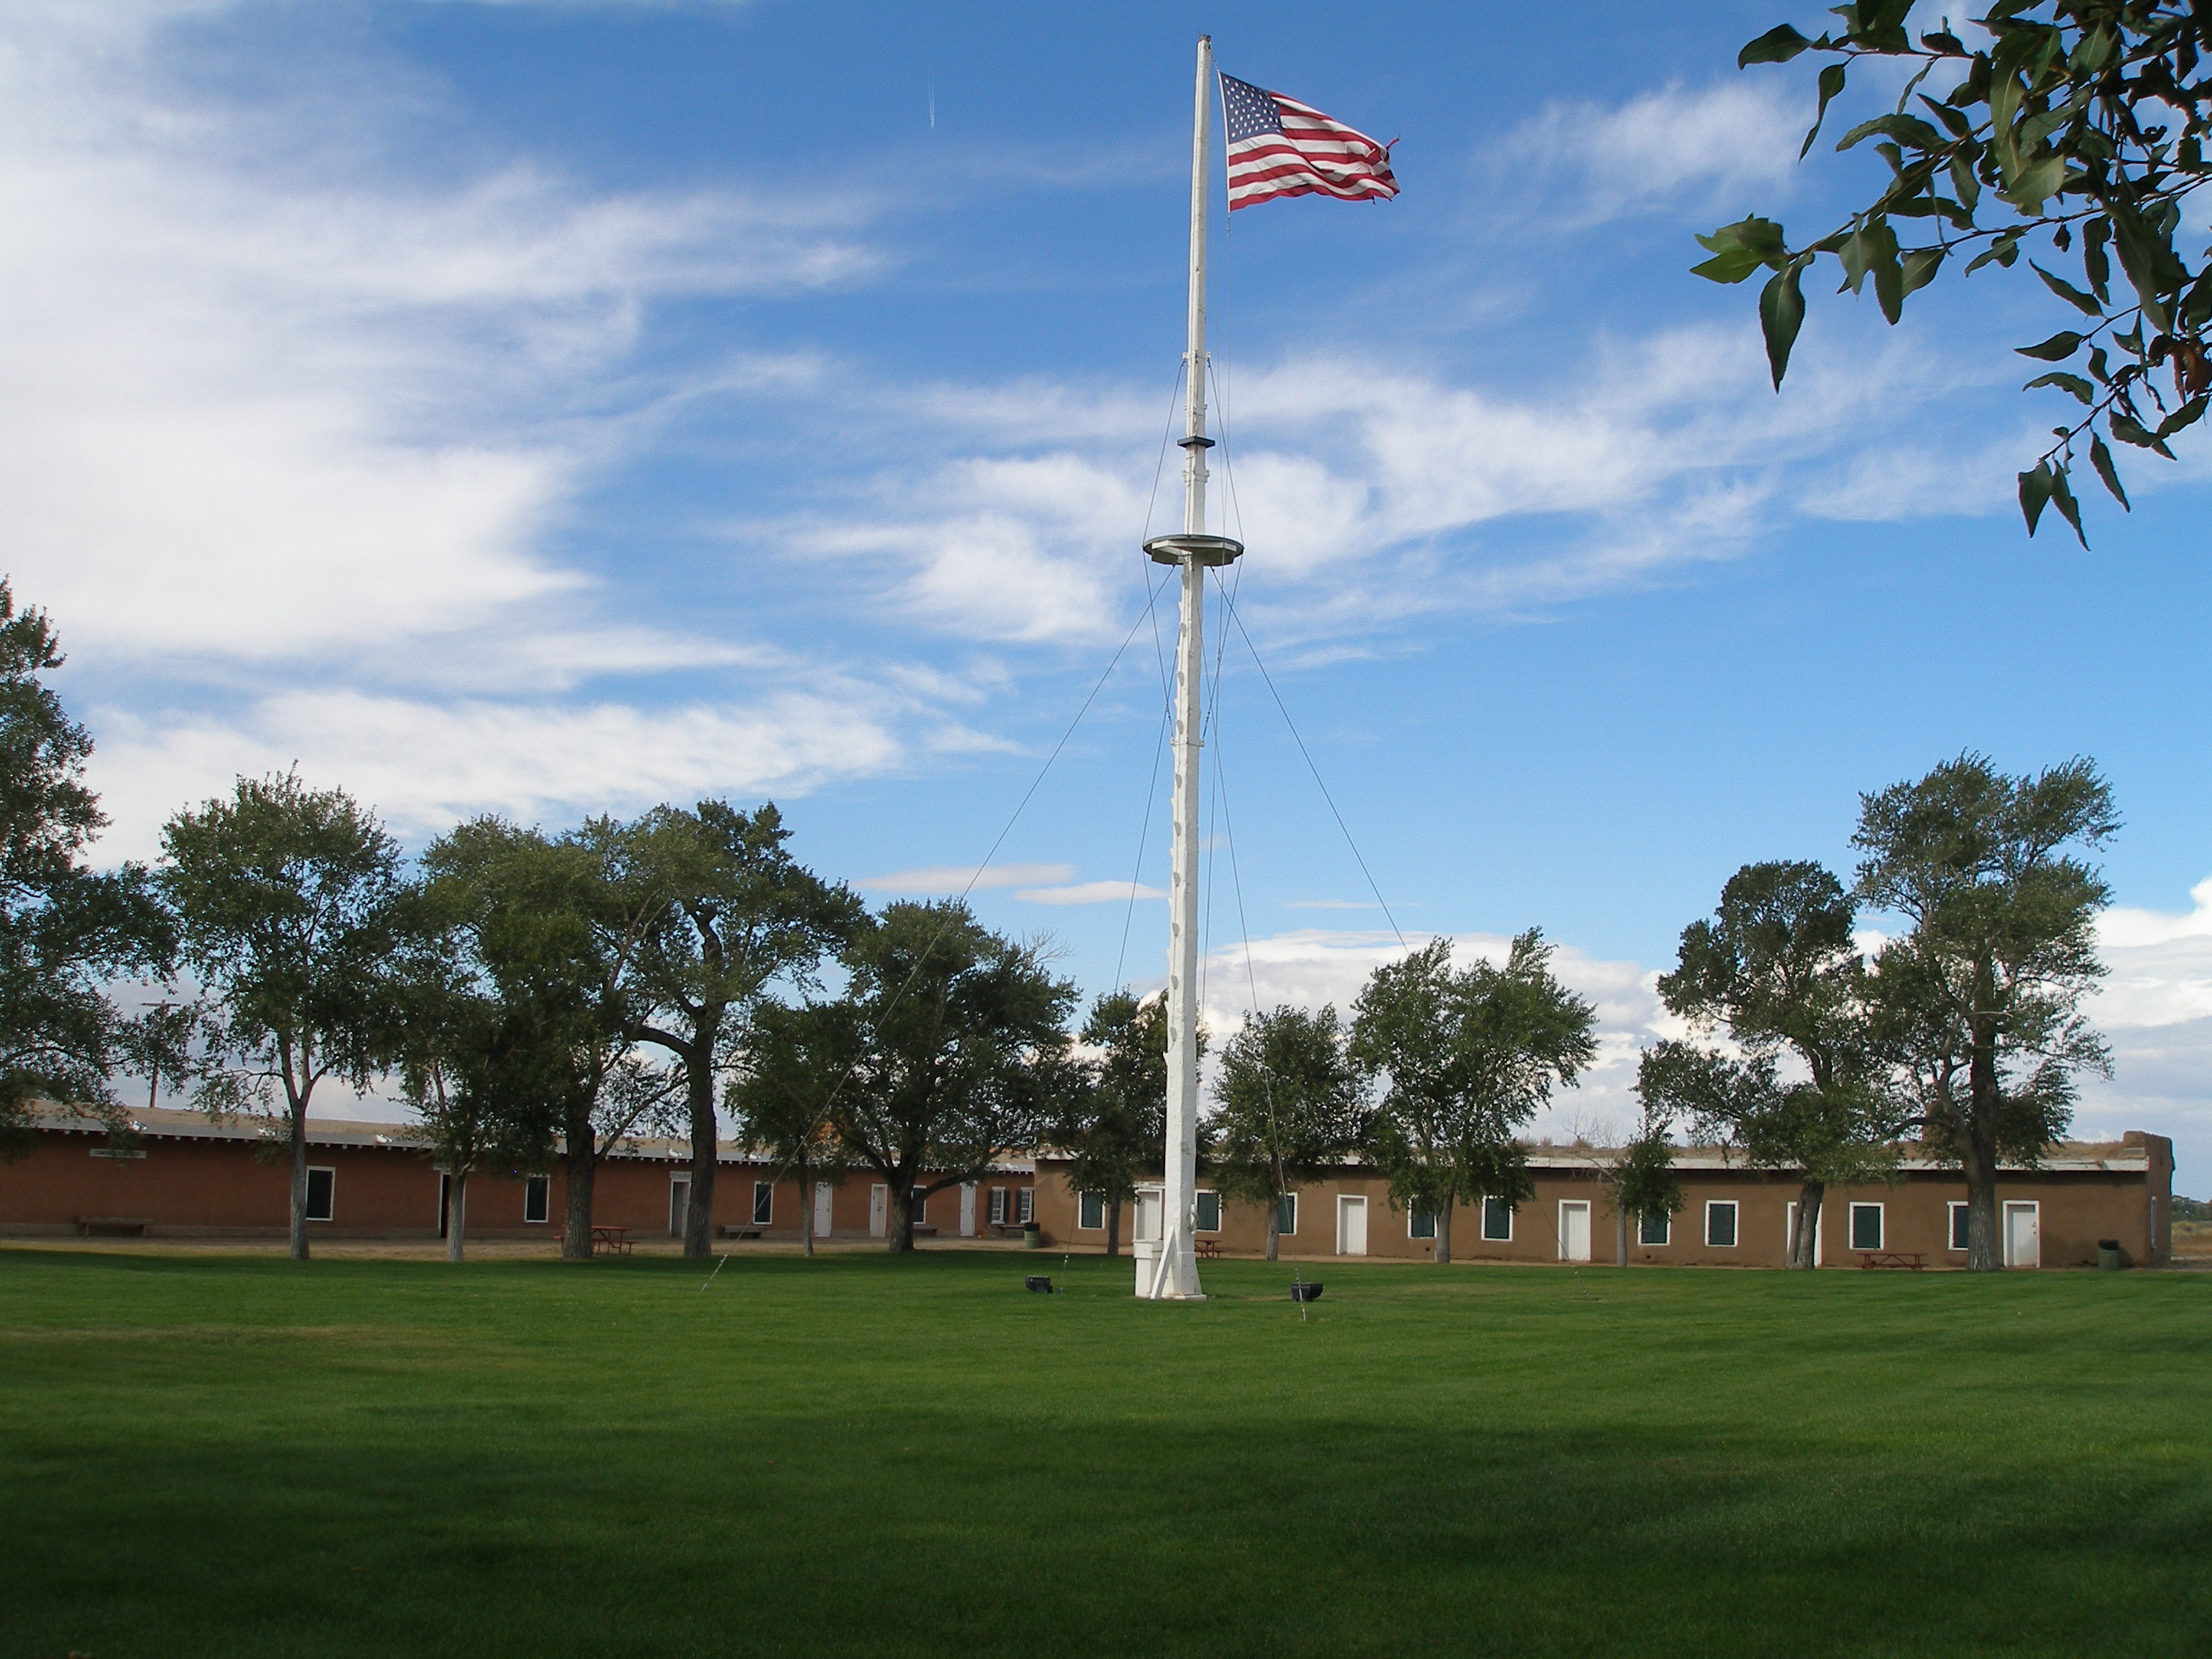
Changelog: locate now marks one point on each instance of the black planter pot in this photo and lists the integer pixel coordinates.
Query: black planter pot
(1041, 1283)
(1305, 1292)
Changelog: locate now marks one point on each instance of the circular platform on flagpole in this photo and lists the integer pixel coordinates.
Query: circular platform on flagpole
(1194, 550)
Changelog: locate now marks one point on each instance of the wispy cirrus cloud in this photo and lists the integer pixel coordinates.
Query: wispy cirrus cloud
(1713, 143)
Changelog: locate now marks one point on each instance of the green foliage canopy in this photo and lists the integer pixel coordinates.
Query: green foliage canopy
(953, 1047)
(1980, 1002)
(1291, 1101)
(1467, 1057)
(66, 931)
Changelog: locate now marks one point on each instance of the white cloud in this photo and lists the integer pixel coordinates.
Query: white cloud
(2156, 1009)
(1092, 892)
(964, 877)
(259, 400)
(423, 765)
(1728, 139)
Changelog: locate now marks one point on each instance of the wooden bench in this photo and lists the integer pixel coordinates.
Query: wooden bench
(611, 1241)
(112, 1226)
(728, 1232)
(1913, 1259)
(925, 1229)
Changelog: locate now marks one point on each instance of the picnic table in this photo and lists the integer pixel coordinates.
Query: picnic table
(1208, 1249)
(1913, 1259)
(611, 1241)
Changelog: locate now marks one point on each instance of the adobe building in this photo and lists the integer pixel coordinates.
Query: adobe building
(185, 1176)
(2054, 1215)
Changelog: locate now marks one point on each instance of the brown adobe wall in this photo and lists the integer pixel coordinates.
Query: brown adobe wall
(2075, 1210)
(187, 1187)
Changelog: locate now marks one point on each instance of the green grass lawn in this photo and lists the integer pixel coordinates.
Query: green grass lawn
(235, 1456)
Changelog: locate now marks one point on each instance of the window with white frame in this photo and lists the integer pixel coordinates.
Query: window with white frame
(1090, 1211)
(537, 1200)
(764, 1202)
(1208, 1219)
(920, 1202)
(1286, 1216)
(1497, 1221)
(1420, 1224)
(322, 1193)
(998, 1207)
(1654, 1227)
(1025, 1205)
(1958, 1226)
(1720, 1223)
(1866, 1226)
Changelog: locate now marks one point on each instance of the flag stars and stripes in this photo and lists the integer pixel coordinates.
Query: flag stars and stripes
(1280, 147)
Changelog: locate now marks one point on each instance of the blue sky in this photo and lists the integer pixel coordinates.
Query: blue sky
(559, 408)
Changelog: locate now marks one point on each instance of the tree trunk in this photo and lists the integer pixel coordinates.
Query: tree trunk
(298, 1181)
(900, 1233)
(1803, 1247)
(699, 1213)
(581, 1167)
(1274, 1227)
(1984, 1247)
(457, 1213)
(1620, 1232)
(1444, 1237)
(1113, 1228)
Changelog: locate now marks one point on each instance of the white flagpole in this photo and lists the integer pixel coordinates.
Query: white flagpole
(1175, 1277)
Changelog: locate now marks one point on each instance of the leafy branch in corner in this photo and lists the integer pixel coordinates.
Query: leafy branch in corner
(2078, 129)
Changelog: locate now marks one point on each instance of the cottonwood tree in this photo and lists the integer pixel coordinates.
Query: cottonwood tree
(543, 942)
(2071, 132)
(1113, 1127)
(796, 1060)
(1776, 969)
(1640, 1175)
(1290, 1103)
(478, 1090)
(293, 912)
(721, 911)
(1466, 1058)
(1980, 1001)
(66, 932)
(958, 1047)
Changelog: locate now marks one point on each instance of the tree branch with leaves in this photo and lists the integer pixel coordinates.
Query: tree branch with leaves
(2071, 129)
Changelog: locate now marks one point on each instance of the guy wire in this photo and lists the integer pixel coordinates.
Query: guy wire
(1296, 738)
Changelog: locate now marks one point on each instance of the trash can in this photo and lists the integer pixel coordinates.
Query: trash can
(2108, 1254)
(1033, 1235)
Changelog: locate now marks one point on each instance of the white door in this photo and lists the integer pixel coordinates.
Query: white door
(879, 1210)
(967, 1209)
(821, 1191)
(1145, 1224)
(1350, 1225)
(1574, 1230)
(679, 1200)
(2023, 1240)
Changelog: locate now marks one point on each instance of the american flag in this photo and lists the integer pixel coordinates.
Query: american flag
(1280, 147)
